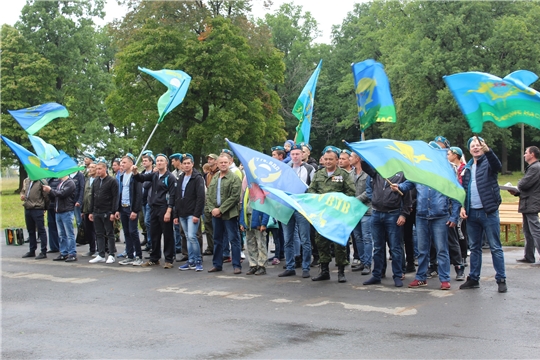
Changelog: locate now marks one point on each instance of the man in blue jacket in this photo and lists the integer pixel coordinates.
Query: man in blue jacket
(482, 211)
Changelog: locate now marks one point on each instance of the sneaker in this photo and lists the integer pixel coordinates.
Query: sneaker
(431, 273)
(127, 261)
(445, 285)
(242, 255)
(356, 262)
(460, 273)
(71, 258)
(275, 261)
(502, 286)
(97, 259)
(470, 284)
(198, 266)
(110, 259)
(187, 266)
(150, 263)
(417, 283)
(137, 262)
(252, 270)
(168, 265)
(95, 254)
(124, 254)
(260, 271)
(227, 259)
(366, 270)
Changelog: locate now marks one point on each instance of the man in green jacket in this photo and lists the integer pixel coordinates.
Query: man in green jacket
(331, 178)
(222, 202)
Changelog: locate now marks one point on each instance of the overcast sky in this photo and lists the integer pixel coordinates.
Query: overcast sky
(326, 12)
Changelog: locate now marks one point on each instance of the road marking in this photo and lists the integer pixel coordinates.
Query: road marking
(78, 264)
(36, 276)
(226, 294)
(398, 311)
(281, 301)
(432, 292)
(229, 277)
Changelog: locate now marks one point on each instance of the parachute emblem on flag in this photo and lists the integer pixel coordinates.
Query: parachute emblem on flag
(267, 172)
(407, 152)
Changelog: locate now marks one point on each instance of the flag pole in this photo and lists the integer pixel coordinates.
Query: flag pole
(147, 141)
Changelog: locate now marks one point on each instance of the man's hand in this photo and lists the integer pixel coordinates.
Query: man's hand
(401, 220)
(132, 216)
(23, 197)
(175, 221)
(451, 224)
(167, 216)
(394, 187)
(91, 217)
(485, 148)
(242, 228)
(262, 228)
(216, 212)
(512, 192)
(117, 216)
(77, 204)
(134, 170)
(463, 213)
(46, 188)
(195, 220)
(112, 217)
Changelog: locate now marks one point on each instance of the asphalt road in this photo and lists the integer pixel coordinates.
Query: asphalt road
(96, 311)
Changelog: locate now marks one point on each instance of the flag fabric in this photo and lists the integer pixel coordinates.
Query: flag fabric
(373, 96)
(303, 108)
(177, 83)
(419, 162)
(334, 215)
(32, 119)
(263, 170)
(38, 169)
(43, 150)
(505, 102)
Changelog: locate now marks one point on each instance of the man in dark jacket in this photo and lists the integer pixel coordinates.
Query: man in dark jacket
(36, 202)
(64, 195)
(89, 231)
(54, 242)
(189, 209)
(129, 206)
(78, 178)
(529, 203)
(103, 206)
(482, 211)
(161, 203)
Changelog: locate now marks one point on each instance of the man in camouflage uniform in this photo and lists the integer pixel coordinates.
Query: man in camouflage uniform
(331, 178)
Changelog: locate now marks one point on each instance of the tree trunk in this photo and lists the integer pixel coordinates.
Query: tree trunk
(22, 175)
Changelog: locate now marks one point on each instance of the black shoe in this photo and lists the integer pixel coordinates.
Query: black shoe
(470, 284)
(324, 273)
(71, 258)
(183, 258)
(52, 251)
(410, 268)
(29, 254)
(366, 270)
(372, 281)
(305, 274)
(252, 270)
(287, 273)
(525, 261)
(147, 249)
(60, 258)
(502, 286)
(315, 262)
(358, 268)
(341, 274)
(41, 256)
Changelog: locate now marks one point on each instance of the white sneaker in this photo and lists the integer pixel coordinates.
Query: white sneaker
(242, 255)
(110, 259)
(126, 261)
(137, 262)
(97, 259)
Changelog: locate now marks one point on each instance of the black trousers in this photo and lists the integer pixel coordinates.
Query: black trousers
(35, 220)
(408, 238)
(159, 227)
(89, 233)
(104, 232)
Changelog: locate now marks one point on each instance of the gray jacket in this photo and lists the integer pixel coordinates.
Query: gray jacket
(360, 189)
(529, 190)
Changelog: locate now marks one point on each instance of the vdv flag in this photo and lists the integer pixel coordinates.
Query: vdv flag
(334, 215)
(263, 170)
(43, 150)
(303, 108)
(177, 83)
(373, 96)
(416, 159)
(38, 169)
(484, 97)
(32, 119)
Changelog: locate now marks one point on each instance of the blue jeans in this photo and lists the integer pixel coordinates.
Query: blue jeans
(131, 233)
(177, 238)
(193, 248)
(230, 229)
(479, 222)
(426, 231)
(363, 239)
(64, 224)
(54, 242)
(297, 222)
(146, 211)
(384, 224)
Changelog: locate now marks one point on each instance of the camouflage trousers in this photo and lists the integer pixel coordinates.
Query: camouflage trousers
(256, 247)
(325, 256)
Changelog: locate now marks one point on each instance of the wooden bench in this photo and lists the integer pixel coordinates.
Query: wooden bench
(508, 214)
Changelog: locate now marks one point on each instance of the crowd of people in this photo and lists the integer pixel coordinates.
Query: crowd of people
(426, 232)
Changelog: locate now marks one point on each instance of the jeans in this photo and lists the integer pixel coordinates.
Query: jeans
(230, 229)
(104, 232)
(363, 240)
(146, 211)
(434, 230)
(478, 222)
(531, 230)
(66, 233)
(131, 233)
(193, 247)
(54, 241)
(297, 222)
(384, 224)
(35, 220)
(177, 238)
